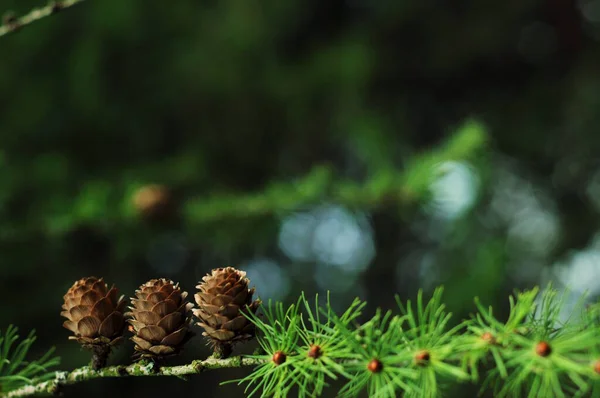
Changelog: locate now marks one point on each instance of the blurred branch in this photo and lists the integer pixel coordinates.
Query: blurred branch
(386, 186)
(102, 201)
(11, 23)
(139, 369)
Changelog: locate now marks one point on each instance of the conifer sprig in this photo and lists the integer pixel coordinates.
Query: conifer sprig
(275, 376)
(15, 369)
(323, 346)
(535, 353)
(379, 365)
(417, 352)
(435, 349)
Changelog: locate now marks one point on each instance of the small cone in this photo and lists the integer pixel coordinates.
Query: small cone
(223, 296)
(95, 316)
(153, 201)
(160, 319)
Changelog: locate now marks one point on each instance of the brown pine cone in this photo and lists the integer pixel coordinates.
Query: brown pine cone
(160, 319)
(154, 202)
(223, 296)
(95, 315)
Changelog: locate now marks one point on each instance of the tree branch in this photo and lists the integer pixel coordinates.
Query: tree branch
(11, 24)
(319, 185)
(138, 369)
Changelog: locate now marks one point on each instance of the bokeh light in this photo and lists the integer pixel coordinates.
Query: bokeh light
(269, 278)
(343, 239)
(328, 235)
(534, 230)
(527, 212)
(455, 191)
(581, 272)
(296, 236)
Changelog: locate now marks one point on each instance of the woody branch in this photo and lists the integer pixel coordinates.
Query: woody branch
(138, 369)
(11, 23)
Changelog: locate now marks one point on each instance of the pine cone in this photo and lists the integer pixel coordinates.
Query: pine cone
(154, 202)
(160, 319)
(223, 296)
(95, 316)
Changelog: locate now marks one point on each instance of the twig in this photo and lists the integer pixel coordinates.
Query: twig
(11, 24)
(138, 369)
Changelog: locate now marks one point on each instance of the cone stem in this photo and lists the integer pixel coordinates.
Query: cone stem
(223, 350)
(99, 356)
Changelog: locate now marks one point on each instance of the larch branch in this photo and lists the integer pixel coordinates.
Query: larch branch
(11, 24)
(85, 373)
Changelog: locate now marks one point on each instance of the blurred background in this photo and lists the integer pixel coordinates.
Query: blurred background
(363, 147)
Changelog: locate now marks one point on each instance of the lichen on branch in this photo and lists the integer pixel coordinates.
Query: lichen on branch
(85, 373)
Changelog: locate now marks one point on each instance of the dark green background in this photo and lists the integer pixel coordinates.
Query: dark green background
(255, 112)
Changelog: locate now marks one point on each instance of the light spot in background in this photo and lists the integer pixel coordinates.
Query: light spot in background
(530, 215)
(270, 280)
(537, 42)
(168, 253)
(571, 298)
(330, 235)
(454, 192)
(533, 230)
(335, 279)
(581, 272)
(571, 308)
(342, 239)
(296, 236)
(570, 305)
(510, 194)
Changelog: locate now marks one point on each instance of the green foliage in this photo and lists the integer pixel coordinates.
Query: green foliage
(418, 353)
(281, 327)
(323, 346)
(294, 335)
(15, 370)
(427, 331)
(378, 365)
